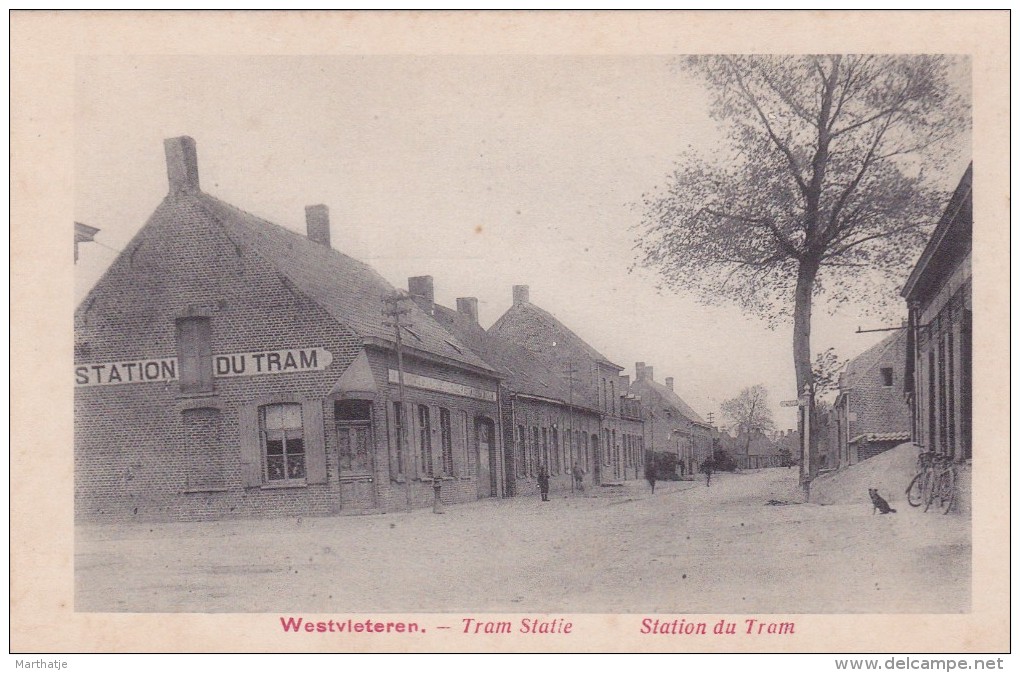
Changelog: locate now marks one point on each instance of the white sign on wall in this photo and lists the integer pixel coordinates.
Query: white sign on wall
(438, 385)
(254, 363)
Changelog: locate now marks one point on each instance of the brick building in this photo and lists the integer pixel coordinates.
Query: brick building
(938, 358)
(671, 424)
(871, 413)
(616, 449)
(543, 409)
(226, 366)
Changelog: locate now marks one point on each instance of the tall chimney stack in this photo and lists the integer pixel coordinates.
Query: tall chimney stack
(422, 293)
(648, 373)
(639, 371)
(468, 306)
(669, 382)
(181, 164)
(521, 294)
(317, 222)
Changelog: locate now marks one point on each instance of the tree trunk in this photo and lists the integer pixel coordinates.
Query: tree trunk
(806, 273)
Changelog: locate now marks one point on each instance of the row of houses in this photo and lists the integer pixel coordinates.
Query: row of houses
(915, 384)
(227, 366)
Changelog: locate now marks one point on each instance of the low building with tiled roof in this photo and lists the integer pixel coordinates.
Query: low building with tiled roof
(617, 450)
(545, 408)
(226, 366)
(672, 426)
(871, 411)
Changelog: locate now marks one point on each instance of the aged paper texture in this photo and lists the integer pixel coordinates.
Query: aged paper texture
(73, 79)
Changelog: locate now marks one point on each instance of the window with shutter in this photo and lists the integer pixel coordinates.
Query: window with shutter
(194, 354)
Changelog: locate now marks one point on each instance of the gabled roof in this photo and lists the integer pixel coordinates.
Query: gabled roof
(349, 290)
(525, 374)
(526, 323)
(866, 361)
(666, 397)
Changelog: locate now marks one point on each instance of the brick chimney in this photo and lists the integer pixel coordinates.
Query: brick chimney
(181, 165)
(422, 293)
(317, 222)
(521, 294)
(648, 373)
(639, 371)
(669, 382)
(468, 306)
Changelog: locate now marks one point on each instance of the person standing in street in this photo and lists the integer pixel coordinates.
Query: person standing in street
(650, 475)
(578, 477)
(706, 467)
(543, 483)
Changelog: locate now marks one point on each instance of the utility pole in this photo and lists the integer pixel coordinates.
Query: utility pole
(570, 410)
(395, 309)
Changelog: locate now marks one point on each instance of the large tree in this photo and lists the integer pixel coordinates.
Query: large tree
(749, 412)
(820, 179)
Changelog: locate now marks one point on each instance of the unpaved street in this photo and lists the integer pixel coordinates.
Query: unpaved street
(686, 549)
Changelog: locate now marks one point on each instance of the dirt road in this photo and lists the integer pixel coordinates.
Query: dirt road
(687, 549)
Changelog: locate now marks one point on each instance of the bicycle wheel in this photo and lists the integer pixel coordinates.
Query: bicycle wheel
(916, 491)
(933, 491)
(948, 491)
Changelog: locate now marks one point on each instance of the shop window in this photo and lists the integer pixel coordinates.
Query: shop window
(469, 453)
(194, 354)
(425, 437)
(446, 441)
(354, 435)
(399, 438)
(555, 451)
(283, 443)
(522, 466)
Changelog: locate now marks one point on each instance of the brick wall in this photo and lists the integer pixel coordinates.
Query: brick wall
(136, 445)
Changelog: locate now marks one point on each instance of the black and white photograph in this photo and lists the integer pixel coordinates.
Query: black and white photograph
(646, 349)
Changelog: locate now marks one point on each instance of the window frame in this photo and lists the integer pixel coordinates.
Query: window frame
(285, 434)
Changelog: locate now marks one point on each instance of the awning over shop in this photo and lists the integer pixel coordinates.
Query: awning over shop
(357, 383)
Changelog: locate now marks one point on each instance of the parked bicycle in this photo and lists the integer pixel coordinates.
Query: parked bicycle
(920, 486)
(943, 486)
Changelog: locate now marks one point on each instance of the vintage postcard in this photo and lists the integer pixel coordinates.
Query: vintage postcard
(494, 332)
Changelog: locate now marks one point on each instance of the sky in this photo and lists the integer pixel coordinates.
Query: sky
(483, 172)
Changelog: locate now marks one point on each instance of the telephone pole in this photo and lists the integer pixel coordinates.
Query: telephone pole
(395, 309)
(571, 370)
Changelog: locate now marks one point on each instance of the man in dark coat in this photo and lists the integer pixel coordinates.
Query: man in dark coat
(543, 483)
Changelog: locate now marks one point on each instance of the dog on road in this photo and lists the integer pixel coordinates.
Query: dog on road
(879, 503)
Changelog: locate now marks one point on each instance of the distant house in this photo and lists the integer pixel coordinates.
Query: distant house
(617, 450)
(871, 414)
(672, 425)
(938, 357)
(546, 411)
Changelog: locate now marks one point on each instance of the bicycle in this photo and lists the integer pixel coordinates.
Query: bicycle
(920, 486)
(943, 487)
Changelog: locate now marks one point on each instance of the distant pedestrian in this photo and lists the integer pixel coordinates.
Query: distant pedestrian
(707, 467)
(650, 476)
(543, 483)
(578, 477)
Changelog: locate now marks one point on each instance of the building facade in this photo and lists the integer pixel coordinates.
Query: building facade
(228, 367)
(672, 426)
(546, 426)
(939, 354)
(871, 413)
(615, 450)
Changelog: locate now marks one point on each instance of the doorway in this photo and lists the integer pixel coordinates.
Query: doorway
(485, 458)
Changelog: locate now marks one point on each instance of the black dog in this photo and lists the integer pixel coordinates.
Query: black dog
(879, 502)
